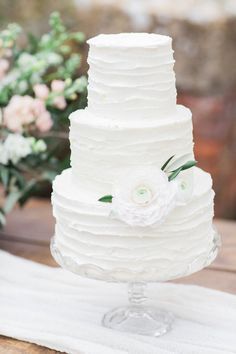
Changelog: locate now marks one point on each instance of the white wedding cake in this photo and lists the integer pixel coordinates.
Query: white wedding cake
(130, 204)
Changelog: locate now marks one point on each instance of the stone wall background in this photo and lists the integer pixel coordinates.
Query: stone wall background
(204, 40)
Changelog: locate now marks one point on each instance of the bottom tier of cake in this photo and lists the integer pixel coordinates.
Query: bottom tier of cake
(86, 233)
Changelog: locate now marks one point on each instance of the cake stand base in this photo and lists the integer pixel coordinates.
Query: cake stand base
(138, 318)
(147, 321)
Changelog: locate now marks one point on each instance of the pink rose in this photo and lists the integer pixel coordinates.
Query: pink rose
(58, 85)
(19, 112)
(59, 102)
(24, 110)
(41, 91)
(44, 122)
(38, 107)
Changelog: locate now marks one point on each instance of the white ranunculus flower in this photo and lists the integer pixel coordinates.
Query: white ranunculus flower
(143, 197)
(184, 183)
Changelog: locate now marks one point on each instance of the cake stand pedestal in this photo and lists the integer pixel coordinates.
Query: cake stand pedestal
(137, 317)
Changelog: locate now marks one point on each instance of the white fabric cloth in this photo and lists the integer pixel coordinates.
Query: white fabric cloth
(57, 309)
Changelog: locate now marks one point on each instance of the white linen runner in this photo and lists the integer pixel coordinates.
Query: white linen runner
(55, 308)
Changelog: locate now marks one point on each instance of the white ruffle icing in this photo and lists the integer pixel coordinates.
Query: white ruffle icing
(102, 149)
(85, 230)
(131, 75)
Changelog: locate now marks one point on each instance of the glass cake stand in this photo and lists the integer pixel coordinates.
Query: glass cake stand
(137, 317)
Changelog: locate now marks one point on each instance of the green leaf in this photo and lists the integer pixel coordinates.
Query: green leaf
(33, 43)
(174, 174)
(11, 200)
(49, 175)
(166, 163)
(27, 191)
(179, 161)
(65, 163)
(186, 166)
(20, 178)
(106, 199)
(4, 176)
(2, 219)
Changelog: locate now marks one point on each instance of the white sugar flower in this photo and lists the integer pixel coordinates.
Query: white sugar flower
(143, 197)
(184, 183)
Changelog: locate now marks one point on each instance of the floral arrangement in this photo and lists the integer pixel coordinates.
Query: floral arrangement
(38, 91)
(145, 196)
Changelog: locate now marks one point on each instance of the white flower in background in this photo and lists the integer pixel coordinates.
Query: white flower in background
(184, 183)
(10, 79)
(143, 197)
(22, 87)
(26, 60)
(3, 155)
(54, 58)
(34, 63)
(15, 148)
(35, 79)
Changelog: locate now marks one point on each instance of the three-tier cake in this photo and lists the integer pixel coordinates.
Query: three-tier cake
(117, 210)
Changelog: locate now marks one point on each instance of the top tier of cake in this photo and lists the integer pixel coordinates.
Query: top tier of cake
(131, 76)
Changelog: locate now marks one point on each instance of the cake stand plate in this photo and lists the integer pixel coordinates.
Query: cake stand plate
(136, 317)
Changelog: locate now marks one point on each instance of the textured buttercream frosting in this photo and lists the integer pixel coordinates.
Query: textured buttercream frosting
(86, 231)
(132, 120)
(131, 76)
(101, 148)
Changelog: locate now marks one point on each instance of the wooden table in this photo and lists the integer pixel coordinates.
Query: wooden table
(29, 230)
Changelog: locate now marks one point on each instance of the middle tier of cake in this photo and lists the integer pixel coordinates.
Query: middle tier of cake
(101, 149)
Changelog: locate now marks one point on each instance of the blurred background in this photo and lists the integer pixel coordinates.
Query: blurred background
(204, 40)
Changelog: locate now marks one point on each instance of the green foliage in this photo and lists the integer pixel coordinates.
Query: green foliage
(106, 199)
(185, 166)
(166, 163)
(9, 36)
